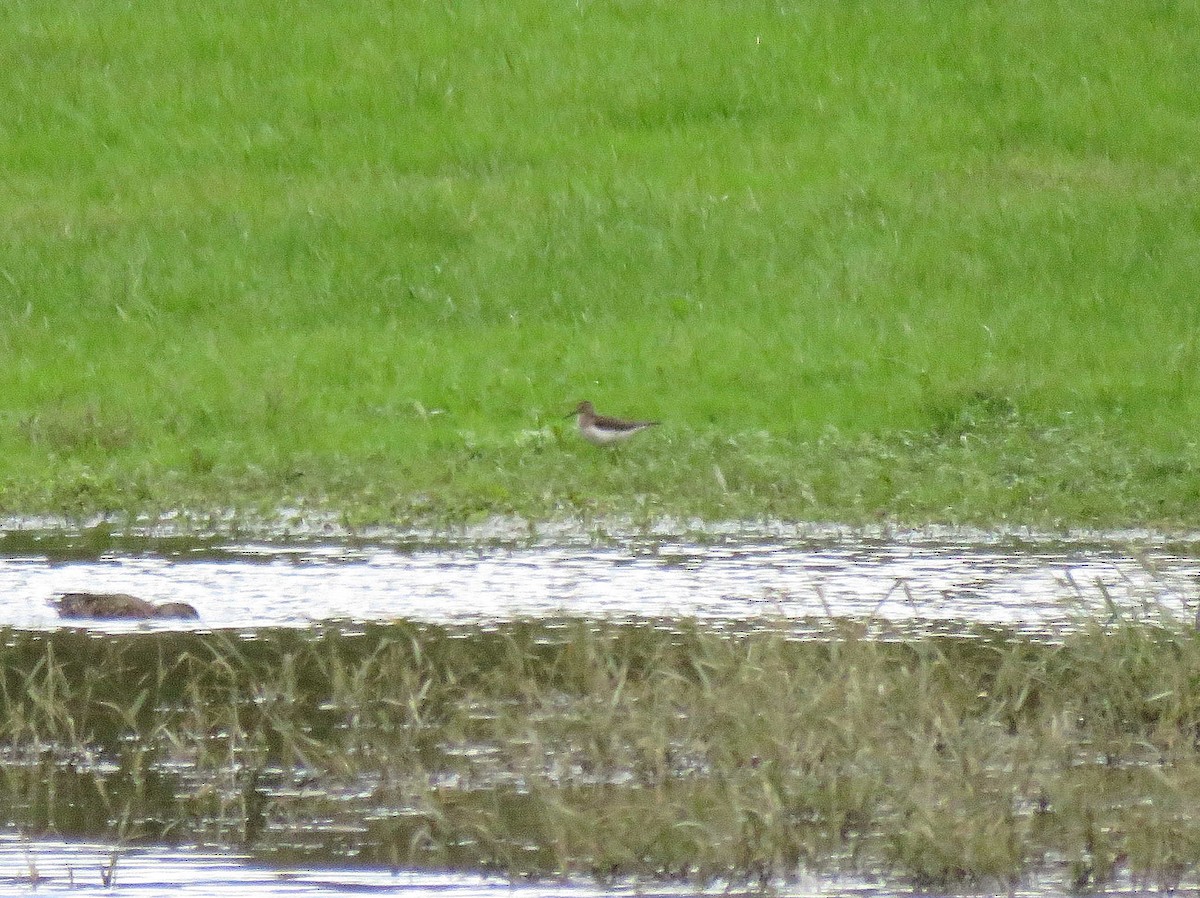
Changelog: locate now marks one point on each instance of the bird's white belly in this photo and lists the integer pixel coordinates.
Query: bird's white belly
(603, 436)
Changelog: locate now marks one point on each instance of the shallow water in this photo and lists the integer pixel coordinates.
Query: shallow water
(55, 867)
(1031, 586)
(73, 868)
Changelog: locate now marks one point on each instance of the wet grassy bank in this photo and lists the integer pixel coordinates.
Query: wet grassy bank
(862, 260)
(664, 749)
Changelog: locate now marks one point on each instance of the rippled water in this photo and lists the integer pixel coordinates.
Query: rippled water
(54, 867)
(1033, 586)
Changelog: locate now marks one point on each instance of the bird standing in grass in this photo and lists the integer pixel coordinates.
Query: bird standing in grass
(601, 430)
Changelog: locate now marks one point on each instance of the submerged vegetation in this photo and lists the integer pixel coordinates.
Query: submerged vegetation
(664, 749)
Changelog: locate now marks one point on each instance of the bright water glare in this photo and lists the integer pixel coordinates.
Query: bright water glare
(51, 867)
(1031, 587)
(54, 868)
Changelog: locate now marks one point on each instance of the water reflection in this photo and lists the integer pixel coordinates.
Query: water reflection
(50, 867)
(53, 867)
(1032, 587)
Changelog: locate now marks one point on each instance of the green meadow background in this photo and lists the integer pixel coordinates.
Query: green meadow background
(919, 261)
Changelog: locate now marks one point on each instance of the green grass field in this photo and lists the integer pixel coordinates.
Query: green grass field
(926, 261)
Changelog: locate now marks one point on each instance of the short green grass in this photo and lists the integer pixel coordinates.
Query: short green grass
(920, 260)
(648, 748)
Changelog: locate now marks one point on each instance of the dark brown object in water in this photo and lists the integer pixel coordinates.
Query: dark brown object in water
(119, 605)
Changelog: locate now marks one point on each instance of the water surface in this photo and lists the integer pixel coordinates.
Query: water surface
(1035, 585)
(62, 869)
(1031, 586)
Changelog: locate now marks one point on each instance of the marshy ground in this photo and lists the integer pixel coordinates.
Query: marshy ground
(751, 747)
(660, 749)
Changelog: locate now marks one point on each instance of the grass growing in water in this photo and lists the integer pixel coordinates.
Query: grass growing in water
(885, 259)
(611, 749)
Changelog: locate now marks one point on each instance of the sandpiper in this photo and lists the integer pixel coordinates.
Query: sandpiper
(602, 430)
